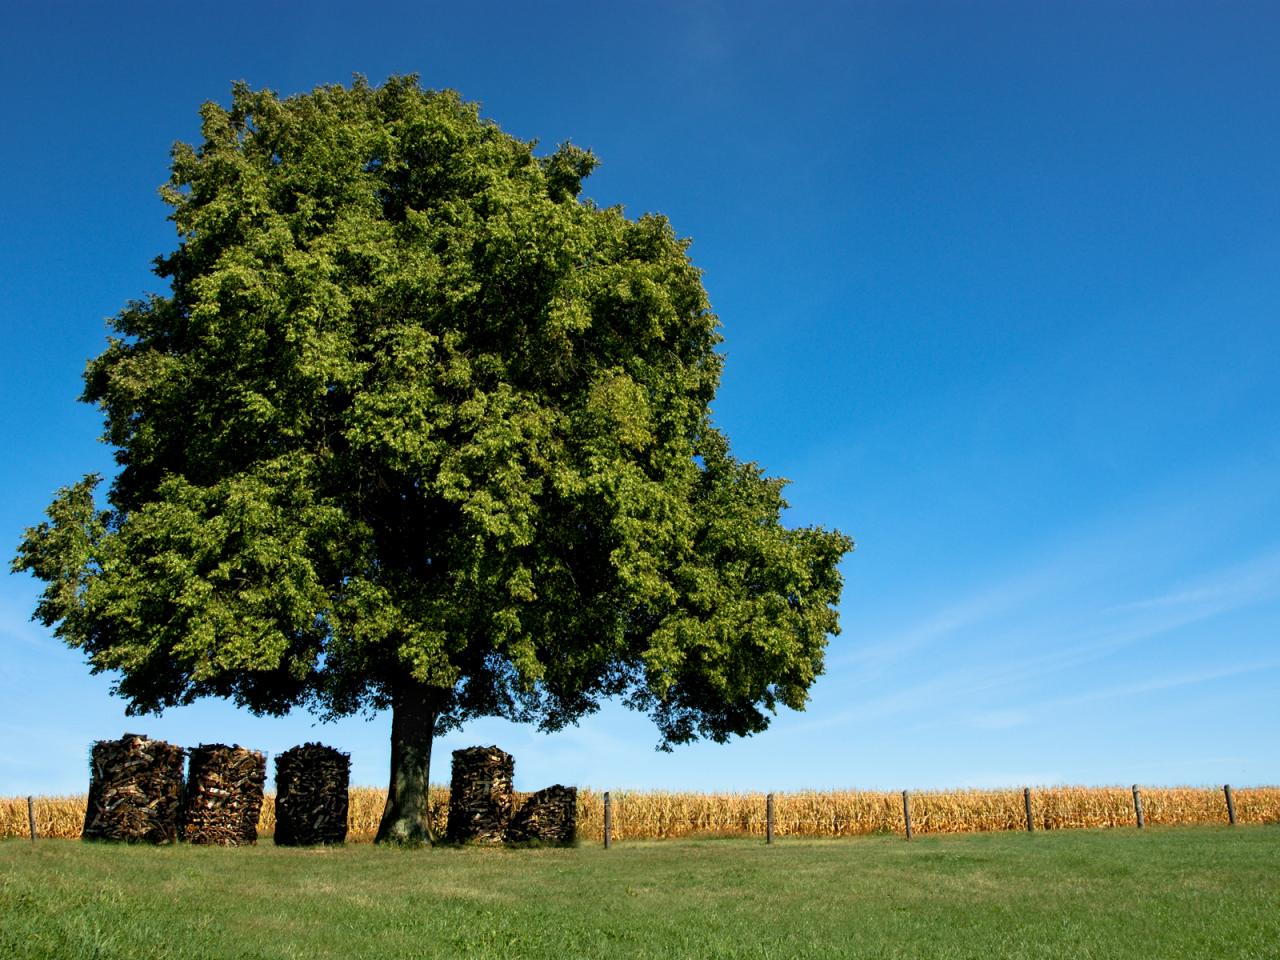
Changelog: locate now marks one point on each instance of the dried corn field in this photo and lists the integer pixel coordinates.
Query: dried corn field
(650, 815)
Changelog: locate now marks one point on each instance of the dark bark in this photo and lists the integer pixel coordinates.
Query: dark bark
(414, 709)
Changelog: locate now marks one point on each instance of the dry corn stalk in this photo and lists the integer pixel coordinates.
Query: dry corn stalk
(651, 815)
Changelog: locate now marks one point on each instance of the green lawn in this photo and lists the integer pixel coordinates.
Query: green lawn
(1182, 892)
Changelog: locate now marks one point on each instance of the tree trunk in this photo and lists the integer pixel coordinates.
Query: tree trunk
(405, 819)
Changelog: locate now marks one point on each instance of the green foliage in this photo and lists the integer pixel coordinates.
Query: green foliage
(412, 411)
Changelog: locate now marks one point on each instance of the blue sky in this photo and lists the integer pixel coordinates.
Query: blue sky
(1000, 291)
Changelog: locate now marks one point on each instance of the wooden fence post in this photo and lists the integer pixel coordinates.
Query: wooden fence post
(31, 817)
(906, 813)
(1231, 804)
(608, 821)
(768, 819)
(1026, 803)
(1137, 805)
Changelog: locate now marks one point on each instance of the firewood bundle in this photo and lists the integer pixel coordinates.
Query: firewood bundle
(135, 790)
(224, 795)
(548, 816)
(480, 795)
(311, 795)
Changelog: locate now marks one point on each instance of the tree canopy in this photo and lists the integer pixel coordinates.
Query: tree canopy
(416, 425)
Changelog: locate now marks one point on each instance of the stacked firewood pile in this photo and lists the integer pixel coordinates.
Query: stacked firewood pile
(135, 790)
(311, 795)
(549, 816)
(480, 795)
(224, 795)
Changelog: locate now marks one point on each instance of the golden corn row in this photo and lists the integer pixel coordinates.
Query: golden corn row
(653, 815)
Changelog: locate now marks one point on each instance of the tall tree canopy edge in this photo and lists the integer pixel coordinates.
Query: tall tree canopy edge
(418, 428)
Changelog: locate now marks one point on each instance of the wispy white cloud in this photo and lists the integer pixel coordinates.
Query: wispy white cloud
(16, 626)
(24, 644)
(943, 623)
(984, 606)
(1013, 646)
(999, 719)
(1064, 598)
(1249, 581)
(1165, 682)
(1097, 641)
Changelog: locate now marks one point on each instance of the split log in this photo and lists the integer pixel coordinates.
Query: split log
(480, 798)
(224, 795)
(548, 816)
(135, 790)
(311, 795)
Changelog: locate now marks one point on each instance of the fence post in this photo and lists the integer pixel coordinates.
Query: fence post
(768, 819)
(1231, 804)
(31, 817)
(1137, 805)
(1026, 803)
(906, 813)
(608, 821)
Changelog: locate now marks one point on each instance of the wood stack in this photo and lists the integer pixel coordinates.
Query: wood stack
(480, 795)
(224, 795)
(135, 790)
(311, 795)
(548, 816)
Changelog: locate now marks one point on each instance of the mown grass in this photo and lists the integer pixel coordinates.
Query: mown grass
(1164, 893)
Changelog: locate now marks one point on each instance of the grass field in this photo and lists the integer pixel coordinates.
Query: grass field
(1163, 893)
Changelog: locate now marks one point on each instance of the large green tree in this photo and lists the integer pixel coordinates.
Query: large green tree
(417, 428)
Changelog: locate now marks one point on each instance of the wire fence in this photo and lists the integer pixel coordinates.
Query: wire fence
(644, 816)
(658, 815)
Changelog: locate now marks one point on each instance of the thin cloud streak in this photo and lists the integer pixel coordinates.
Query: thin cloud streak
(1091, 559)
(1089, 646)
(1158, 684)
(1253, 580)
